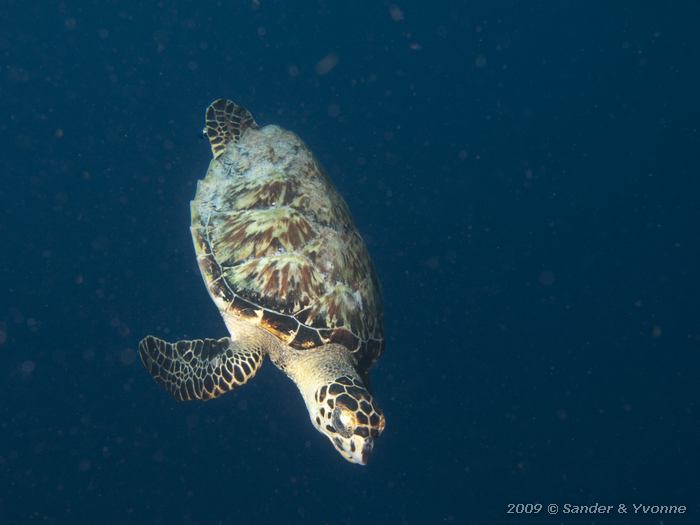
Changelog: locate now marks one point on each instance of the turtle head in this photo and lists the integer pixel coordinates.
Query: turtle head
(346, 413)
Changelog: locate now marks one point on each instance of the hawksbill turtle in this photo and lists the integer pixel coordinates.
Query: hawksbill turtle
(291, 277)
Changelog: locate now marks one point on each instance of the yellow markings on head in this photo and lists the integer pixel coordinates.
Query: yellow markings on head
(382, 423)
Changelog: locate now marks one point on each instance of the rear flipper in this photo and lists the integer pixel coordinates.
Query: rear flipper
(202, 368)
(226, 122)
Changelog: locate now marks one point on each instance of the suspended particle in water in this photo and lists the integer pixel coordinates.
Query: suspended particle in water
(27, 368)
(326, 64)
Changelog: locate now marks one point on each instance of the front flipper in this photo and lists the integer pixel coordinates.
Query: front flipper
(200, 369)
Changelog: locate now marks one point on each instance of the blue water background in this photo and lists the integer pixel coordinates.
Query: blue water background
(525, 175)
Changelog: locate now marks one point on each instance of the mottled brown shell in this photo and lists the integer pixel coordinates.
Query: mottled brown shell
(277, 246)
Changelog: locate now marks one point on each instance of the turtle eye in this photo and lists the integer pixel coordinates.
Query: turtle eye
(342, 420)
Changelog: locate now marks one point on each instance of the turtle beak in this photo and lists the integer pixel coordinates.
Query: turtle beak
(366, 451)
(360, 455)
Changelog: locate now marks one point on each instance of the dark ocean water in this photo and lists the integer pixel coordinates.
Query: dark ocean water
(525, 175)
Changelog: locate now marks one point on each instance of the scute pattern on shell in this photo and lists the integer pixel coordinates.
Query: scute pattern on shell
(277, 246)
